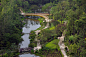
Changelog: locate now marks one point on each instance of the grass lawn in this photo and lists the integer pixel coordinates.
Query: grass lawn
(53, 44)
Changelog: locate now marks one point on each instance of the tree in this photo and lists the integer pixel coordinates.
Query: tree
(34, 8)
(9, 19)
(59, 29)
(58, 11)
(80, 25)
(47, 7)
(26, 5)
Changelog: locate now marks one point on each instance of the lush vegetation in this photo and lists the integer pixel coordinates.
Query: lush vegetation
(48, 38)
(10, 27)
(32, 36)
(69, 15)
(11, 22)
(53, 44)
(47, 52)
(50, 49)
(73, 13)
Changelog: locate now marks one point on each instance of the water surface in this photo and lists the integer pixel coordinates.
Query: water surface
(31, 24)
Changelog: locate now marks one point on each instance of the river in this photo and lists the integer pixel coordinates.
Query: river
(31, 24)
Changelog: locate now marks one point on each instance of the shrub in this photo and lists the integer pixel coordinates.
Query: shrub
(32, 45)
(32, 35)
(59, 29)
(71, 38)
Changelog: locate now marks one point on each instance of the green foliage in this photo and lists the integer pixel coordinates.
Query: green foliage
(71, 38)
(53, 44)
(58, 11)
(34, 8)
(74, 11)
(32, 35)
(24, 5)
(60, 28)
(10, 23)
(75, 49)
(55, 22)
(47, 7)
(46, 35)
(46, 32)
(42, 22)
(52, 28)
(10, 55)
(32, 45)
(41, 2)
(32, 38)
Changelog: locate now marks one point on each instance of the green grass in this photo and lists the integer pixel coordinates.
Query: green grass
(52, 28)
(53, 44)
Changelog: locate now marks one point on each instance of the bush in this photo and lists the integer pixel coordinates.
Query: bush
(71, 38)
(32, 45)
(32, 35)
(59, 29)
(54, 22)
(52, 28)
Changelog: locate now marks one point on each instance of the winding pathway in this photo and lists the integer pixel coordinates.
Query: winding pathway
(62, 45)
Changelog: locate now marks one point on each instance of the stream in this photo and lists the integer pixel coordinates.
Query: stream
(31, 24)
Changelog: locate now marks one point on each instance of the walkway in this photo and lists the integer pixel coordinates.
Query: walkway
(44, 15)
(62, 46)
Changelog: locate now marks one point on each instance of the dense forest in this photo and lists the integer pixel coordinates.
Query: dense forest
(10, 23)
(10, 26)
(73, 12)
